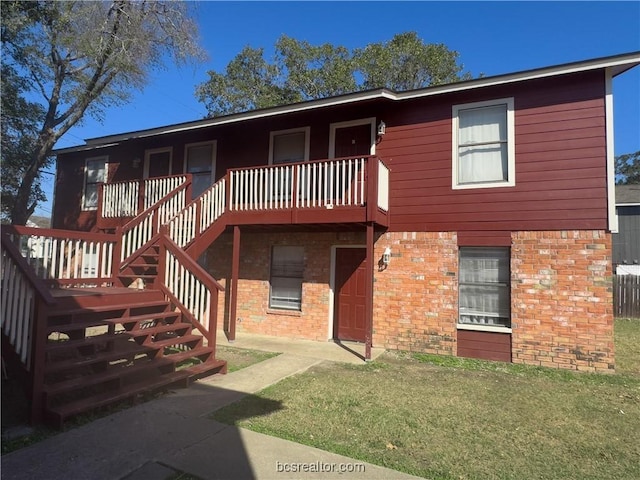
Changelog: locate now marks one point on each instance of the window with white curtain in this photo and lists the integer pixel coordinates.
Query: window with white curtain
(483, 144)
(484, 286)
(95, 172)
(287, 268)
(289, 146)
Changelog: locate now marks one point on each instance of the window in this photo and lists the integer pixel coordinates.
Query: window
(95, 172)
(201, 165)
(484, 285)
(289, 146)
(287, 267)
(483, 144)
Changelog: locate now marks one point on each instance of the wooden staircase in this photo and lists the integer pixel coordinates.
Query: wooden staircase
(141, 270)
(115, 344)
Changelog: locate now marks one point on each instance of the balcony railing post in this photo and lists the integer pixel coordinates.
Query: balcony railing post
(99, 211)
(162, 255)
(189, 191)
(117, 254)
(372, 188)
(141, 195)
(38, 344)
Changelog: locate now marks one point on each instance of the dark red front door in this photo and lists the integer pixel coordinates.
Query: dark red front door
(353, 141)
(349, 319)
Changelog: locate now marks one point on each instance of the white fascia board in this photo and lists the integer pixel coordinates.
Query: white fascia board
(617, 64)
(611, 169)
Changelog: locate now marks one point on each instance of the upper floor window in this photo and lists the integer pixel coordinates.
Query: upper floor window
(95, 172)
(289, 146)
(483, 144)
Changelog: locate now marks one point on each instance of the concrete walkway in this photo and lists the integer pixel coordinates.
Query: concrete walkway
(154, 440)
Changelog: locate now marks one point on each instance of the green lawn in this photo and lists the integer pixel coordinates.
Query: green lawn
(452, 418)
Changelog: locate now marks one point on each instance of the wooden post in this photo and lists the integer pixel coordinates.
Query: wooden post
(140, 197)
(38, 345)
(99, 217)
(116, 260)
(235, 273)
(369, 293)
(372, 188)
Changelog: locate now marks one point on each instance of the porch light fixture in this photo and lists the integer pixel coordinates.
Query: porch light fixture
(382, 128)
(136, 162)
(385, 259)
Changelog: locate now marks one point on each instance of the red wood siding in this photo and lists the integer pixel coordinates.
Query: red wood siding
(560, 155)
(484, 345)
(560, 150)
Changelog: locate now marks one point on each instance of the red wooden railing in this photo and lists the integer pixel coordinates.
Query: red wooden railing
(139, 231)
(66, 258)
(189, 287)
(25, 301)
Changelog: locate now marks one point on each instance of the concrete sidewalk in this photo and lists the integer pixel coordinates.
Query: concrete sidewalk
(154, 440)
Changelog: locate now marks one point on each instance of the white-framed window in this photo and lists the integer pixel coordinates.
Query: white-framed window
(95, 172)
(200, 162)
(484, 286)
(483, 144)
(287, 269)
(289, 146)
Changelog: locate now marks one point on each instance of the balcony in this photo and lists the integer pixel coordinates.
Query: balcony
(337, 191)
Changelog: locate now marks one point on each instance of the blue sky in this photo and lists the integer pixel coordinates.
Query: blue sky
(491, 37)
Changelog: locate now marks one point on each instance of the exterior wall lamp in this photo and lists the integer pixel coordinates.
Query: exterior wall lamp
(382, 128)
(385, 260)
(136, 162)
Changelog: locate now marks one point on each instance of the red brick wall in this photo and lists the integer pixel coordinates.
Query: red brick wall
(561, 299)
(253, 311)
(416, 297)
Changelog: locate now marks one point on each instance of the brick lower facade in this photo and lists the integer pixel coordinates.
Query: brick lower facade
(561, 296)
(561, 299)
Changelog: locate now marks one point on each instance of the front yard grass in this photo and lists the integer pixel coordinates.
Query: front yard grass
(452, 418)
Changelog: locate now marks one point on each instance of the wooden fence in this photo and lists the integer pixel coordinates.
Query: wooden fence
(626, 296)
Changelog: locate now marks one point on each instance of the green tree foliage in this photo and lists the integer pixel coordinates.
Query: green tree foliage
(63, 60)
(301, 71)
(628, 169)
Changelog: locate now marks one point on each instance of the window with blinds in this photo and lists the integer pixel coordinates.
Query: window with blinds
(287, 269)
(484, 286)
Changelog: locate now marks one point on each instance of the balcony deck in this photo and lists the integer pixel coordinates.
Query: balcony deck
(324, 192)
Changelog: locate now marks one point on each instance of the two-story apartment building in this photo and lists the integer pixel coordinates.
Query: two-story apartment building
(469, 219)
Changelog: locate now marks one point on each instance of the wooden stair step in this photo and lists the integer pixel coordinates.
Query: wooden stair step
(121, 352)
(179, 340)
(205, 369)
(61, 413)
(114, 373)
(115, 320)
(108, 308)
(141, 275)
(193, 353)
(162, 328)
(53, 346)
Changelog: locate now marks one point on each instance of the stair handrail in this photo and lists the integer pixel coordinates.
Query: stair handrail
(137, 233)
(188, 224)
(25, 300)
(66, 257)
(188, 286)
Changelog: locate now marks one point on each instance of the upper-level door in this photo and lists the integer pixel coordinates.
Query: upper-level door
(157, 162)
(200, 162)
(353, 138)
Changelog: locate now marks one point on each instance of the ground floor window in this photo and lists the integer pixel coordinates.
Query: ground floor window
(484, 283)
(287, 267)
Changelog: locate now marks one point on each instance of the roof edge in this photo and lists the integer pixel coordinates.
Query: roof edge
(617, 63)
